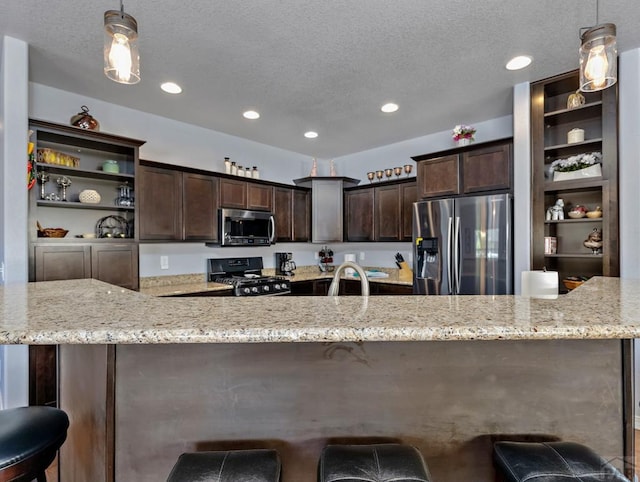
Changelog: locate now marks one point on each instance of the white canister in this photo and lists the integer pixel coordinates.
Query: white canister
(540, 284)
(575, 135)
(350, 271)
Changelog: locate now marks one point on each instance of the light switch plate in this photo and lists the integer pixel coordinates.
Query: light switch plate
(164, 262)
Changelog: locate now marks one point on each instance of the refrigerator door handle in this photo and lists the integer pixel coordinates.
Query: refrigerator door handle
(457, 262)
(449, 271)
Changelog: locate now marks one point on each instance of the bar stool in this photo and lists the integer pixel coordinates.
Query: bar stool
(29, 440)
(372, 463)
(551, 462)
(260, 465)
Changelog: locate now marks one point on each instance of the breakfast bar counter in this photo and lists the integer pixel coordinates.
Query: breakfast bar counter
(90, 312)
(146, 378)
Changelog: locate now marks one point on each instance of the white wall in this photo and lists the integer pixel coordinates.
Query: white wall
(629, 176)
(392, 155)
(14, 74)
(521, 182)
(170, 141)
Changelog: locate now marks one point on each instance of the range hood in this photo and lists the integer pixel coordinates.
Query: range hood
(327, 206)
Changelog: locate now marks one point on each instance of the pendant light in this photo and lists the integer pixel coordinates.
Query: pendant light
(121, 57)
(598, 56)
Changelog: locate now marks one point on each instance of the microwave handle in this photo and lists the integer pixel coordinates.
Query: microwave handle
(272, 229)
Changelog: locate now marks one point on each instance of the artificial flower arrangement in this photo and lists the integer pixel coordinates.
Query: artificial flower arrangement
(577, 162)
(462, 131)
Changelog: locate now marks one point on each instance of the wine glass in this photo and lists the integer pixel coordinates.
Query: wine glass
(388, 172)
(397, 171)
(370, 176)
(379, 174)
(407, 169)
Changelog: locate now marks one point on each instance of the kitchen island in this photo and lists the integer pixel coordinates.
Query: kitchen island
(145, 379)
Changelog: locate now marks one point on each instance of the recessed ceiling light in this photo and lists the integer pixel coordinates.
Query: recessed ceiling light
(171, 88)
(311, 134)
(519, 62)
(389, 108)
(251, 114)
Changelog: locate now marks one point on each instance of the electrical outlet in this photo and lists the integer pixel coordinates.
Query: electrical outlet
(164, 262)
(361, 255)
(2, 272)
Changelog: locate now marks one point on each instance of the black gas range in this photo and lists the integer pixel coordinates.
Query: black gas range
(245, 275)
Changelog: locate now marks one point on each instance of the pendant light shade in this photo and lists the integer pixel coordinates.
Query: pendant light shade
(598, 58)
(121, 57)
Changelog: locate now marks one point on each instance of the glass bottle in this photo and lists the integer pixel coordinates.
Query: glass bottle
(247, 172)
(227, 165)
(234, 169)
(256, 173)
(240, 171)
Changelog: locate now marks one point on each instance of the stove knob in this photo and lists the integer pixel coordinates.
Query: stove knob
(246, 291)
(266, 288)
(284, 286)
(254, 289)
(276, 286)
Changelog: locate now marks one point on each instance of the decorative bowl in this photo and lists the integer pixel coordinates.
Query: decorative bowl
(89, 196)
(572, 284)
(576, 214)
(594, 214)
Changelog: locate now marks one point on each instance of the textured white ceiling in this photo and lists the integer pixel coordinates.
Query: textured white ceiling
(316, 65)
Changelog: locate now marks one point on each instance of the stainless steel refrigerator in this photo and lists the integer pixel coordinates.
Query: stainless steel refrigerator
(463, 246)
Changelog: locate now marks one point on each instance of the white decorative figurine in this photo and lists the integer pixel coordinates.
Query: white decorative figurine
(556, 212)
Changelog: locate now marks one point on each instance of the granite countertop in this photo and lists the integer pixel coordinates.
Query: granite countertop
(177, 285)
(90, 311)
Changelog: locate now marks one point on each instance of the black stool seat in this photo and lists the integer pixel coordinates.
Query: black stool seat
(261, 465)
(372, 463)
(29, 439)
(552, 462)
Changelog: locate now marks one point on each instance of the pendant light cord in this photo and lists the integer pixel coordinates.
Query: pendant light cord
(122, 8)
(597, 11)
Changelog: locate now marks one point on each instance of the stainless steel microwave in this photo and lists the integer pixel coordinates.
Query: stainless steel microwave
(241, 227)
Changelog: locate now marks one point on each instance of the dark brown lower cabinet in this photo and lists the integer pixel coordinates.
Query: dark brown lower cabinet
(347, 288)
(115, 263)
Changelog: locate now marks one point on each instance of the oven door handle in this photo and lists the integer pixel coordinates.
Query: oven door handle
(272, 229)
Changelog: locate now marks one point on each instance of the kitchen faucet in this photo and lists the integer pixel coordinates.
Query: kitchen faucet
(335, 284)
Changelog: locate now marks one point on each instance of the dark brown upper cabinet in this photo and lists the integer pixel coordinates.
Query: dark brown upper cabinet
(359, 220)
(291, 208)
(200, 207)
(159, 203)
(238, 194)
(473, 169)
(382, 212)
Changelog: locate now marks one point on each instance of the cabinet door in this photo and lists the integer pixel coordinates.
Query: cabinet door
(233, 194)
(116, 264)
(438, 177)
(200, 207)
(43, 378)
(387, 213)
(160, 203)
(408, 195)
(391, 289)
(301, 215)
(359, 214)
(259, 197)
(62, 262)
(486, 169)
(282, 210)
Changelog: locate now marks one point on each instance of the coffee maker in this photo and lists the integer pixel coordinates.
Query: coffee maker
(284, 264)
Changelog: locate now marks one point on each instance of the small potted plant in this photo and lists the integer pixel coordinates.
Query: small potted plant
(577, 167)
(463, 134)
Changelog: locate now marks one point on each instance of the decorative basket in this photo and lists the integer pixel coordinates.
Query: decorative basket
(49, 156)
(52, 233)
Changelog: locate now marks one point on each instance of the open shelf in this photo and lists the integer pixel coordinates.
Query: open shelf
(574, 185)
(574, 255)
(571, 221)
(562, 116)
(76, 172)
(587, 142)
(79, 205)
